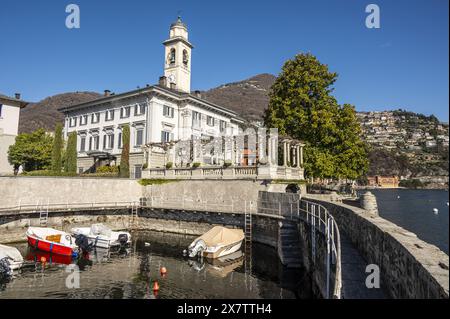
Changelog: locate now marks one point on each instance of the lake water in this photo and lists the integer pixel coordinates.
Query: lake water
(413, 210)
(131, 273)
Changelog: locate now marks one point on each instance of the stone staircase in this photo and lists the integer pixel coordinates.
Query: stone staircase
(289, 245)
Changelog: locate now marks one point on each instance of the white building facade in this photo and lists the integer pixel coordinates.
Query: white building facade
(173, 130)
(9, 127)
(156, 115)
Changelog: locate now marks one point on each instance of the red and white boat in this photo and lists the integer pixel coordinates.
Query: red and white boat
(52, 240)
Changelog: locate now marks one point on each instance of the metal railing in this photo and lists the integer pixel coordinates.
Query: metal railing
(41, 205)
(185, 203)
(320, 220)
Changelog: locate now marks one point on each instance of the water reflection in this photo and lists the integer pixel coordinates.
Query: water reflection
(132, 273)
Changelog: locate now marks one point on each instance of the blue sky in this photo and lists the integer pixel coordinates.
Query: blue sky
(404, 64)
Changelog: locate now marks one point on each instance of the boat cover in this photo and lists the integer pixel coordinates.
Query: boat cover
(222, 236)
(11, 252)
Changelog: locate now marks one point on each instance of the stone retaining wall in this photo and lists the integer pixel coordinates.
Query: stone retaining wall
(409, 267)
(31, 190)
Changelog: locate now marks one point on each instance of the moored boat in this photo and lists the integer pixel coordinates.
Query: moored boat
(52, 241)
(10, 260)
(98, 235)
(217, 242)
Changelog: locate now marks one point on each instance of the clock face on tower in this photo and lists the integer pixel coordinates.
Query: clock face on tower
(171, 78)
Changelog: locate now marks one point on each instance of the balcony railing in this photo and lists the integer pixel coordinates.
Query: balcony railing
(220, 172)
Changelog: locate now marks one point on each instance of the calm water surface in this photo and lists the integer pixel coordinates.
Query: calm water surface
(413, 210)
(131, 274)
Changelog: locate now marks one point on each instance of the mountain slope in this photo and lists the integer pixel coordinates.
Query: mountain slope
(248, 97)
(44, 114)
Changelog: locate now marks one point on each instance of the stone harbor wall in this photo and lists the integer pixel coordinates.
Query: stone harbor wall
(409, 267)
(60, 190)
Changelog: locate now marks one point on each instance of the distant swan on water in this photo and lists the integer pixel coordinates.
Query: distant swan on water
(435, 210)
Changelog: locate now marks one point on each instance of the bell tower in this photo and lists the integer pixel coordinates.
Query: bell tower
(177, 63)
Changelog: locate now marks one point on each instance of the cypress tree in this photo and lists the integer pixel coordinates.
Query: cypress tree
(71, 153)
(57, 149)
(125, 157)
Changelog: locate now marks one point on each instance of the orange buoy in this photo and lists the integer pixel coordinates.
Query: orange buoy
(155, 286)
(163, 270)
(43, 260)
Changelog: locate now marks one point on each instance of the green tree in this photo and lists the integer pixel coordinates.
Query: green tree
(57, 149)
(71, 154)
(301, 106)
(32, 150)
(125, 157)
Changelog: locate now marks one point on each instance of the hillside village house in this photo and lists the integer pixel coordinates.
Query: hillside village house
(161, 115)
(9, 127)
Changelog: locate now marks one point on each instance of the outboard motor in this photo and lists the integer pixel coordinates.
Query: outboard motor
(123, 239)
(5, 268)
(197, 247)
(83, 243)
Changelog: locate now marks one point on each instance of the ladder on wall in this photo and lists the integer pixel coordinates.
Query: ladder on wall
(133, 216)
(43, 217)
(248, 244)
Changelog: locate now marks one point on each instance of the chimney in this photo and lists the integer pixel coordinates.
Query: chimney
(163, 81)
(107, 93)
(198, 94)
(173, 86)
(17, 95)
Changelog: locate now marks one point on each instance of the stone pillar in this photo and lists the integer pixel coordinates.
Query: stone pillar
(284, 153)
(298, 153)
(368, 202)
(269, 150)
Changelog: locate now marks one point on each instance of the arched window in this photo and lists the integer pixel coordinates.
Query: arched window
(185, 57)
(172, 56)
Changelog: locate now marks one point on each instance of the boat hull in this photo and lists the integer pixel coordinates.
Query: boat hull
(223, 251)
(50, 247)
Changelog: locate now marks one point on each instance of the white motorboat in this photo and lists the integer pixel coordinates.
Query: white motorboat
(217, 242)
(10, 260)
(98, 235)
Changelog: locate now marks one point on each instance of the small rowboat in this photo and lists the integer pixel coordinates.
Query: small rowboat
(52, 241)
